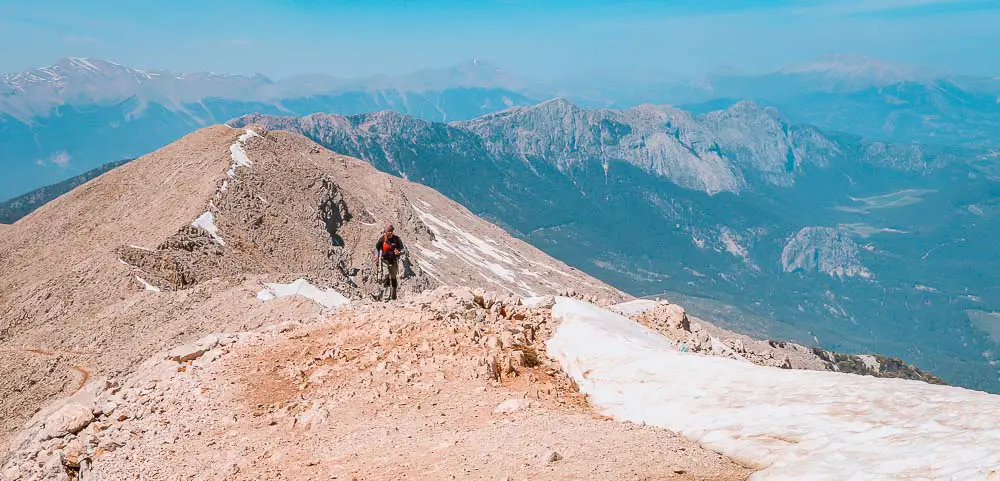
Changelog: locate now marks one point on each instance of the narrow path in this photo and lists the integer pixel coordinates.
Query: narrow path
(84, 373)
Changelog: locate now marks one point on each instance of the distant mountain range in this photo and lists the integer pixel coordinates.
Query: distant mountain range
(62, 120)
(875, 99)
(783, 230)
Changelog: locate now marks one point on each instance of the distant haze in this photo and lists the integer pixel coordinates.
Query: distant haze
(553, 40)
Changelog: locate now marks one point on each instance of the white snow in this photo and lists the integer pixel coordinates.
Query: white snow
(328, 298)
(795, 424)
(207, 221)
(430, 253)
(452, 240)
(731, 242)
(246, 135)
(147, 286)
(239, 154)
(84, 63)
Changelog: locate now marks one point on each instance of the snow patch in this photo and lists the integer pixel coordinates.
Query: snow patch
(247, 134)
(795, 424)
(239, 154)
(147, 286)
(327, 298)
(433, 254)
(474, 251)
(207, 221)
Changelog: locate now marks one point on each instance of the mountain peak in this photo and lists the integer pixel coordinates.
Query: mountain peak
(88, 65)
(560, 103)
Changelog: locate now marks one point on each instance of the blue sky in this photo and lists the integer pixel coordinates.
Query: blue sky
(538, 38)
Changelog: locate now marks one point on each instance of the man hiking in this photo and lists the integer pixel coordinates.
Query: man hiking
(387, 251)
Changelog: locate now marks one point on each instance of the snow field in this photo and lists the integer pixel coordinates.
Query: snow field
(794, 424)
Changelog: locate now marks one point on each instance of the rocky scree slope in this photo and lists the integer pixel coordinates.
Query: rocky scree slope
(176, 244)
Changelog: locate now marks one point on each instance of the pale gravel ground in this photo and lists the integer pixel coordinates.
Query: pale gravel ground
(406, 395)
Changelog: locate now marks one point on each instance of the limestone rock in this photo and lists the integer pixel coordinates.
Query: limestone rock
(194, 350)
(73, 453)
(511, 406)
(543, 302)
(69, 419)
(676, 317)
(315, 415)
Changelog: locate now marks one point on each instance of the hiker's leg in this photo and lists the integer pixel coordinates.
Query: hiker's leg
(393, 271)
(384, 281)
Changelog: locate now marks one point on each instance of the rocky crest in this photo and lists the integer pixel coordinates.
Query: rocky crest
(165, 247)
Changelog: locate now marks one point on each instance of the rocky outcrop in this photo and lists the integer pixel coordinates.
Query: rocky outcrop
(874, 365)
(702, 337)
(825, 250)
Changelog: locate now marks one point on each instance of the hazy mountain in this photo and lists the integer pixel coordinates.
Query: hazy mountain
(62, 120)
(876, 99)
(782, 229)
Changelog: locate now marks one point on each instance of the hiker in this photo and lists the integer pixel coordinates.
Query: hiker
(387, 251)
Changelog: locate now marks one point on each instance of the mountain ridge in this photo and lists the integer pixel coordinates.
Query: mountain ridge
(62, 120)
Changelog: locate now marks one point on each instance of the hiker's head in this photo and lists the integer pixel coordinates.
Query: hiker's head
(388, 229)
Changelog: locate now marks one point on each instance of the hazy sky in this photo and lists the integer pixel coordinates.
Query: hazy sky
(543, 39)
